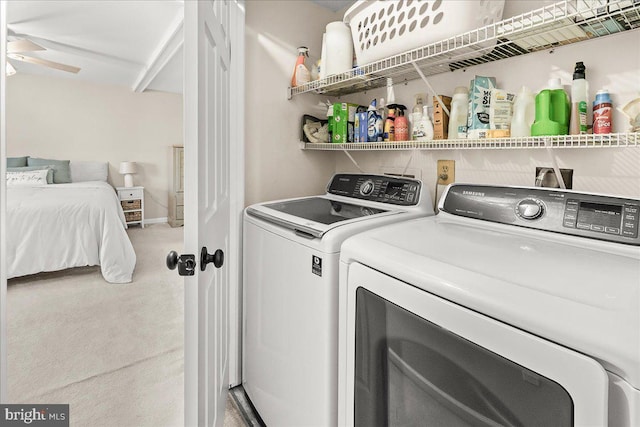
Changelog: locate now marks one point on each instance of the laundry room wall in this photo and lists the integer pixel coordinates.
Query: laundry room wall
(612, 62)
(275, 165)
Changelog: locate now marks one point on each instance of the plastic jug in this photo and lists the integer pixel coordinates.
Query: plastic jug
(459, 113)
(524, 113)
(552, 111)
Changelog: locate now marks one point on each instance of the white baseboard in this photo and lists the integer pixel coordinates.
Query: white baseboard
(155, 220)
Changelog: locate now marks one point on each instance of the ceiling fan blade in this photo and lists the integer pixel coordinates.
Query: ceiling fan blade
(23, 45)
(45, 62)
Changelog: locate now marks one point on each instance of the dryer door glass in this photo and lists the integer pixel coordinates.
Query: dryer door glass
(409, 371)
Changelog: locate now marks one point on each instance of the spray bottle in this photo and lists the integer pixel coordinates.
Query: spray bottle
(389, 125)
(401, 124)
(301, 73)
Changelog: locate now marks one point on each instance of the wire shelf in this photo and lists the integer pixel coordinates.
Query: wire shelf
(558, 24)
(613, 140)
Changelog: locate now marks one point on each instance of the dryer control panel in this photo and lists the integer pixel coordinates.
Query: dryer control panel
(596, 216)
(377, 188)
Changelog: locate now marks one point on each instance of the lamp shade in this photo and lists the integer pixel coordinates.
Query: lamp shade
(128, 167)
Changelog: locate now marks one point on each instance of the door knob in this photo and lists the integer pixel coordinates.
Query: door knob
(186, 263)
(217, 258)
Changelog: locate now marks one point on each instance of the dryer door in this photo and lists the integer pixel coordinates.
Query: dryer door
(416, 359)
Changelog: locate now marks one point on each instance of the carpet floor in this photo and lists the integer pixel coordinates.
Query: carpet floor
(113, 352)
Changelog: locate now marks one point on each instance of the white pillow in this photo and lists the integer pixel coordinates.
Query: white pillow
(27, 178)
(89, 171)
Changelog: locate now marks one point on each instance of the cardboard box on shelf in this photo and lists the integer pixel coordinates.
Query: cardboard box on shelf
(344, 116)
(440, 118)
(360, 128)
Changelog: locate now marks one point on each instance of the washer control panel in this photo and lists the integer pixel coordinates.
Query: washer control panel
(563, 211)
(377, 188)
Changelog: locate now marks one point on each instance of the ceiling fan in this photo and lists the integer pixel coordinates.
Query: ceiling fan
(16, 48)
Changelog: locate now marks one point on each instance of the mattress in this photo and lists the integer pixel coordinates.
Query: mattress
(58, 226)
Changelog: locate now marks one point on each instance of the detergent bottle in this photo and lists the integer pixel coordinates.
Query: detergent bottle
(552, 111)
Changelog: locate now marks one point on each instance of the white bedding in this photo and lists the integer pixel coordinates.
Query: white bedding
(58, 226)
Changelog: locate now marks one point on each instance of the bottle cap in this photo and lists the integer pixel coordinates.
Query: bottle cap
(461, 90)
(524, 90)
(578, 72)
(602, 96)
(555, 84)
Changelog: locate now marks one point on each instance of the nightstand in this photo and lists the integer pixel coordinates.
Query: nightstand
(132, 201)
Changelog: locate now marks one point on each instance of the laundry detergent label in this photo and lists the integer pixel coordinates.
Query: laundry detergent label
(316, 265)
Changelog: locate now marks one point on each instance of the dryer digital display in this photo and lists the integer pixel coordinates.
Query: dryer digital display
(599, 217)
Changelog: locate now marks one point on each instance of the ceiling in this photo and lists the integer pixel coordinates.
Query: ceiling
(133, 43)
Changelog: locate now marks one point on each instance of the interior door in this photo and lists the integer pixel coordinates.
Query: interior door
(207, 54)
(3, 205)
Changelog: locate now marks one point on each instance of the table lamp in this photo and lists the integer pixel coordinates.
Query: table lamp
(128, 169)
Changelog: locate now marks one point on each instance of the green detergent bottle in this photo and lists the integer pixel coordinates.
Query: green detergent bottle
(552, 111)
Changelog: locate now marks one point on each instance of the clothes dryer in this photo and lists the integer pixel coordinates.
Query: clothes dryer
(291, 255)
(512, 306)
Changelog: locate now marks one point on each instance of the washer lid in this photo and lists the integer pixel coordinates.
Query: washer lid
(580, 293)
(313, 215)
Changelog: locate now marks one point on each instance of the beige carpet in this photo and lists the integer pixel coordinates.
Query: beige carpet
(113, 352)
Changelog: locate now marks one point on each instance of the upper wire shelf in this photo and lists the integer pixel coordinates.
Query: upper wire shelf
(611, 140)
(558, 24)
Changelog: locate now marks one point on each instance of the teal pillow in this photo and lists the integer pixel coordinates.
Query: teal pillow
(16, 162)
(35, 168)
(61, 169)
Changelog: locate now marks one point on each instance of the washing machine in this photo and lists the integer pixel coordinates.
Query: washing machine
(512, 306)
(290, 277)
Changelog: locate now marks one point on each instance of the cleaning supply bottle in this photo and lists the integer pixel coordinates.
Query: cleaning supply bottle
(579, 97)
(416, 113)
(552, 111)
(602, 112)
(401, 124)
(459, 112)
(389, 125)
(301, 73)
(424, 131)
(372, 123)
(380, 121)
(524, 113)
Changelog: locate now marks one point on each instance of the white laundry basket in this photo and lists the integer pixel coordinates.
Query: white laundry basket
(384, 28)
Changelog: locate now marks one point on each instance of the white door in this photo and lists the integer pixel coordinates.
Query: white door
(207, 54)
(3, 148)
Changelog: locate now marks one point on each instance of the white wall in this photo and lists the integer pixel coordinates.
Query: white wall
(64, 119)
(277, 168)
(275, 165)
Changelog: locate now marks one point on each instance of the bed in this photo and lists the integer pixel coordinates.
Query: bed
(52, 227)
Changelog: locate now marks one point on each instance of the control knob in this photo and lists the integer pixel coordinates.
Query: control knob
(367, 187)
(530, 209)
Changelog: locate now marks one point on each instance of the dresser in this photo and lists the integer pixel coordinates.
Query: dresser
(132, 201)
(176, 190)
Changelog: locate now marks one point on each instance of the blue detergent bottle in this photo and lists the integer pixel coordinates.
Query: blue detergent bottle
(372, 122)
